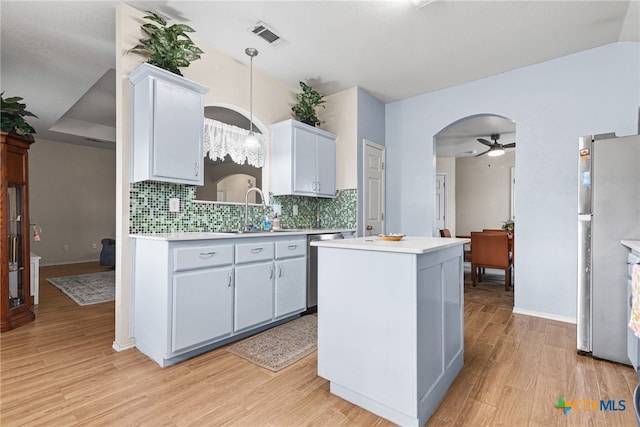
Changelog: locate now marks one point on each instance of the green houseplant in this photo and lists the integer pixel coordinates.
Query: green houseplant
(168, 47)
(13, 113)
(308, 100)
(508, 226)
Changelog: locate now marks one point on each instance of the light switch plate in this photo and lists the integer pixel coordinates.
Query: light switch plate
(174, 204)
(295, 210)
(277, 209)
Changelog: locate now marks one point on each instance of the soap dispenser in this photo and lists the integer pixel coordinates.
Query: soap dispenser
(267, 222)
(276, 222)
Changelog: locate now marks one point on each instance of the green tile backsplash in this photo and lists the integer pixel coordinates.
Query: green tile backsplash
(149, 210)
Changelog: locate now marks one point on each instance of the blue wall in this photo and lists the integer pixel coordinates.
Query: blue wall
(371, 126)
(553, 103)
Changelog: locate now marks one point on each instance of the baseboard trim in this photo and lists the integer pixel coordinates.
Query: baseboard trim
(122, 347)
(67, 262)
(543, 315)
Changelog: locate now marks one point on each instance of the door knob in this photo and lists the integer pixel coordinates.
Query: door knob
(369, 227)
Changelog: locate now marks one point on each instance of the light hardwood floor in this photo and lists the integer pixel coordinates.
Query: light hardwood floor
(61, 371)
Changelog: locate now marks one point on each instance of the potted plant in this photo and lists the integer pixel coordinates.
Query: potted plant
(13, 113)
(168, 47)
(308, 100)
(508, 226)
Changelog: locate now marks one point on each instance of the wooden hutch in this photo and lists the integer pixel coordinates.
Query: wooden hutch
(15, 294)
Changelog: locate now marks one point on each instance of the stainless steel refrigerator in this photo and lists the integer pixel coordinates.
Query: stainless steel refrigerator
(608, 212)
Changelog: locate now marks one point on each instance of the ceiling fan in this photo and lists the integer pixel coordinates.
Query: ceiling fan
(495, 148)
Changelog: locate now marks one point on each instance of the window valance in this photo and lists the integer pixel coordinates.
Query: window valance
(221, 139)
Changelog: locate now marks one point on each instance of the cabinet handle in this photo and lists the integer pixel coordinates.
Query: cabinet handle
(271, 272)
(318, 186)
(210, 254)
(280, 270)
(292, 247)
(197, 168)
(229, 282)
(256, 250)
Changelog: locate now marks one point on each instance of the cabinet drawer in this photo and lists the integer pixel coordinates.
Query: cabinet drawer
(250, 252)
(202, 256)
(291, 248)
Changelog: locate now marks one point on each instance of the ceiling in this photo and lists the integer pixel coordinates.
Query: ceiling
(59, 60)
(461, 139)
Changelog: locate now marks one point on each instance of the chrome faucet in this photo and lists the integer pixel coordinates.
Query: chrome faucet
(247, 226)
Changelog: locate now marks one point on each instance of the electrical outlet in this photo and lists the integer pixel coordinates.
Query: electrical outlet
(295, 210)
(65, 247)
(94, 246)
(277, 209)
(174, 204)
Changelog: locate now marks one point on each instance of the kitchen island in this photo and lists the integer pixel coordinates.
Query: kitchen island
(390, 322)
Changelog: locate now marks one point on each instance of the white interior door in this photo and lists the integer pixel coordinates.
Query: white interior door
(441, 200)
(373, 196)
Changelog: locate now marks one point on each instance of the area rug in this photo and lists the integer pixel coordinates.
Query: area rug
(87, 289)
(279, 347)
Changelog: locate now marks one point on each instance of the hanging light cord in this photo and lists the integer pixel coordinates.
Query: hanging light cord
(251, 52)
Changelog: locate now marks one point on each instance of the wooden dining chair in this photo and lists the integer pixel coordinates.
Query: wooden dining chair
(511, 240)
(444, 232)
(490, 250)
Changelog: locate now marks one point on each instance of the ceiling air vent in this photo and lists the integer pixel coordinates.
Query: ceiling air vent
(266, 33)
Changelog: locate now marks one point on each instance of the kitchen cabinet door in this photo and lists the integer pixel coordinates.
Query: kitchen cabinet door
(253, 295)
(177, 134)
(291, 286)
(202, 307)
(304, 162)
(325, 166)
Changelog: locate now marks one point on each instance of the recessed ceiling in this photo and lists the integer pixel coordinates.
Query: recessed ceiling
(53, 52)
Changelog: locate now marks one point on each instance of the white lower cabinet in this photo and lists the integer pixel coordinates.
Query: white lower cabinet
(253, 295)
(202, 307)
(291, 286)
(195, 295)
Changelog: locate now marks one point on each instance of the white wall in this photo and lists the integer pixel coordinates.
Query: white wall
(447, 166)
(483, 196)
(72, 196)
(552, 103)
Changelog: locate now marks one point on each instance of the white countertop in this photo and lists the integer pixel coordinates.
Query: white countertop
(409, 244)
(632, 244)
(212, 235)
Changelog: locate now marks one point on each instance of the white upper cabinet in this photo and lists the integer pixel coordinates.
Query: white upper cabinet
(303, 160)
(167, 121)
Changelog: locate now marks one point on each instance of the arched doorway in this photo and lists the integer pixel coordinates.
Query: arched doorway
(480, 186)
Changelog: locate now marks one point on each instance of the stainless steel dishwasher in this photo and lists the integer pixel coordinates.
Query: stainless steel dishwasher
(312, 267)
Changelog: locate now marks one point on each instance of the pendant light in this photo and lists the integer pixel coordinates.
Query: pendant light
(251, 142)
